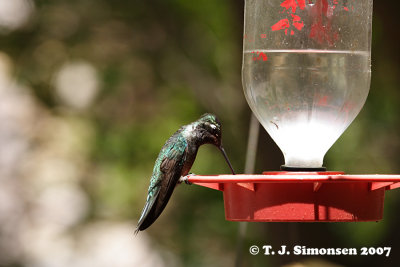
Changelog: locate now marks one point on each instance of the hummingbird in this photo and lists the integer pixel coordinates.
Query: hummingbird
(175, 161)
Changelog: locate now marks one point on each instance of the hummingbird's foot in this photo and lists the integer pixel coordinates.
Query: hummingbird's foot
(185, 179)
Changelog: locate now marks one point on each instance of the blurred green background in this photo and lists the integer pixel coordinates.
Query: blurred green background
(89, 92)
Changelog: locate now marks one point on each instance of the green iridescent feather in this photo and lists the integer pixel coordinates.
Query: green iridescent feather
(171, 158)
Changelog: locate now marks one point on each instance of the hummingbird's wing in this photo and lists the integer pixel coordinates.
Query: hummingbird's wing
(167, 171)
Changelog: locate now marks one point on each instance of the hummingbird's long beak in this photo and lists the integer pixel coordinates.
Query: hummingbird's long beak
(226, 158)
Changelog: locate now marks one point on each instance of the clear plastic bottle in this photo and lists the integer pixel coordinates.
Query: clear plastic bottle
(306, 71)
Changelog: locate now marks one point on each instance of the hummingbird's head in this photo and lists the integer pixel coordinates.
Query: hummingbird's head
(208, 131)
(208, 128)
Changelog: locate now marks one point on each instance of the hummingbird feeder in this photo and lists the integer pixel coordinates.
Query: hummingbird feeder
(306, 75)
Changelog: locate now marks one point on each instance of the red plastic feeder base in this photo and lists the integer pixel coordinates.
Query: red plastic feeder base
(301, 196)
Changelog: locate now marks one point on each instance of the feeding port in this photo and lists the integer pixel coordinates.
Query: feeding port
(301, 196)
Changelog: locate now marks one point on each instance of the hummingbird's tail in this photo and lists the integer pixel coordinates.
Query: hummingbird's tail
(155, 205)
(142, 224)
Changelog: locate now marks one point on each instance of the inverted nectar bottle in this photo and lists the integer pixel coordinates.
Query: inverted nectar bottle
(306, 71)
